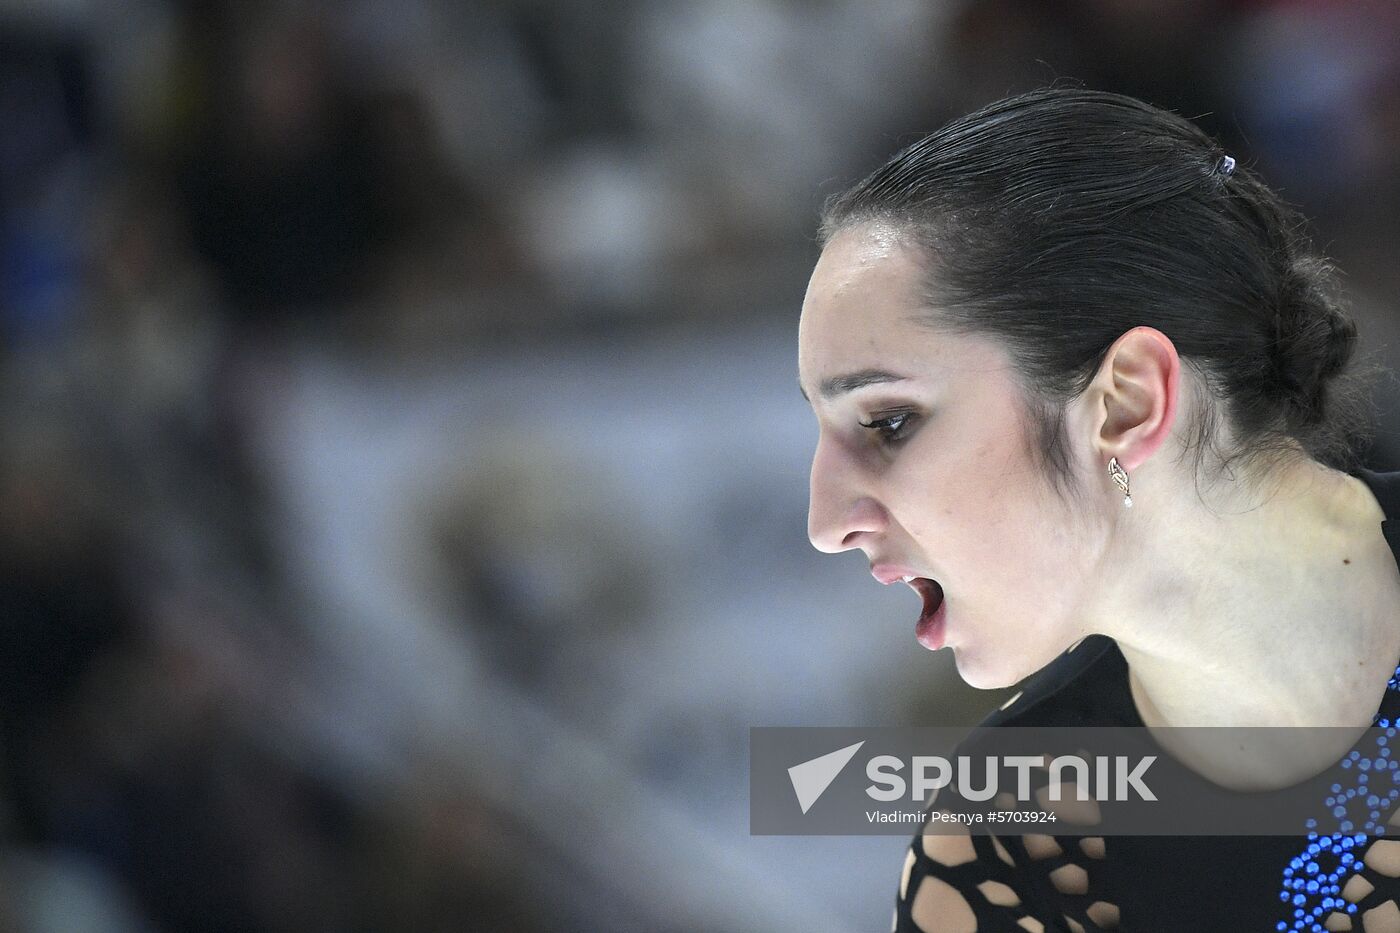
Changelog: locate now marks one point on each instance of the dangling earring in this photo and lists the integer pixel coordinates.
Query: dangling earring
(1121, 478)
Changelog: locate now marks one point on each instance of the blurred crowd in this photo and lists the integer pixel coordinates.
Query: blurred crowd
(337, 341)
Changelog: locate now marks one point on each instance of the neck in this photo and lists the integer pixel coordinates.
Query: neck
(1282, 612)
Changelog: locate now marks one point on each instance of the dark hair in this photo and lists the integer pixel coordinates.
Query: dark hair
(1058, 219)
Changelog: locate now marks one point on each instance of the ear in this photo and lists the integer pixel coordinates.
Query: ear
(1137, 383)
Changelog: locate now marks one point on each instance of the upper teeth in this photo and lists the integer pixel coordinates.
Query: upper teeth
(906, 579)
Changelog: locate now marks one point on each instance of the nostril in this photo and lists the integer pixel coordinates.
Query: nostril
(831, 537)
(846, 528)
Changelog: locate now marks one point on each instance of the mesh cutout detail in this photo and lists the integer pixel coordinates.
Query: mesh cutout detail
(1383, 856)
(1040, 846)
(989, 893)
(1384, 918)
(940, 908)
(1104, 914)
(999, 894)
(1070, 879)
(1038, 882)
(1337, 922)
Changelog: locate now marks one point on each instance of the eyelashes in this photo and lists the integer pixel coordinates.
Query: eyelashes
(891, 428)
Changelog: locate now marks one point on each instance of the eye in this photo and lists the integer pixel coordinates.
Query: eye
(891, 428)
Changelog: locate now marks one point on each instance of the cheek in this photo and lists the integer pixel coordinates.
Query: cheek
(973, 514)
(991, 492)
(995, 525)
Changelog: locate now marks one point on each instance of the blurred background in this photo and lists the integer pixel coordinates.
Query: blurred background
(402, 470)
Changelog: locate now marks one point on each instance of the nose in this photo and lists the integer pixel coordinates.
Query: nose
(841, 513)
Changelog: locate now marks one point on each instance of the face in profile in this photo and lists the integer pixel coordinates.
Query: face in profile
(924, 462)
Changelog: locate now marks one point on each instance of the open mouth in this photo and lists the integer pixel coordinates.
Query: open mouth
(930, 630)
(930, 591)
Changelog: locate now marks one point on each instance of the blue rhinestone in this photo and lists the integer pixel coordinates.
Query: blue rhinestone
(1347, 826)
(1364, 764)
(1311, 824)
(1314, 849)
(1312, 887)
(1339, 812)
(1346, 763)
(1336, 788)
(1354, 754)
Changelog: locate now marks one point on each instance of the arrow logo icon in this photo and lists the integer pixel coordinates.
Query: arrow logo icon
(811, 778)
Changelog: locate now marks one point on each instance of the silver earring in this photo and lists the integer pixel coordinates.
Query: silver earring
(1120, 477)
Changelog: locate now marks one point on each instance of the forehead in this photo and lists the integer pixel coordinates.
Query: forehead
(866, 309)
(864, 300)
(871, 256)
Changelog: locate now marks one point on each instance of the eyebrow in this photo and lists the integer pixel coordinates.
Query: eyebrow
(839, 385)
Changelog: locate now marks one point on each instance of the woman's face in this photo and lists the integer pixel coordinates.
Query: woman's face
(923, 462)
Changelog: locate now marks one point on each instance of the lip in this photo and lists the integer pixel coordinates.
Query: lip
(891, 573)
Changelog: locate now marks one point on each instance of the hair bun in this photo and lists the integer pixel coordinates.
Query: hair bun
(1314, 338)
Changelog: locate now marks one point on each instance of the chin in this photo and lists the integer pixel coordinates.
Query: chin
(994, 673)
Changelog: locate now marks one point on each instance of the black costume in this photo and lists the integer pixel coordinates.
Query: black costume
(1148, 883)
